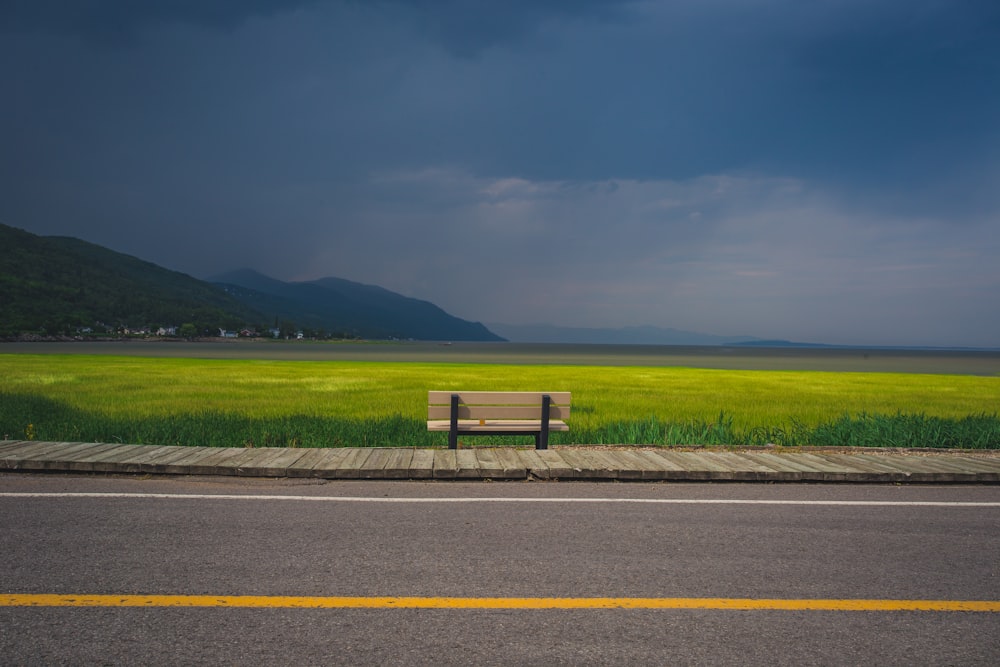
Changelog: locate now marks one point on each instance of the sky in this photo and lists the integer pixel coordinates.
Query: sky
(823, 171)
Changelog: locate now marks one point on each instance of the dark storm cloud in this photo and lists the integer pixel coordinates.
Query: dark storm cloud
(117, 20)
(821, 170)
(465, 26)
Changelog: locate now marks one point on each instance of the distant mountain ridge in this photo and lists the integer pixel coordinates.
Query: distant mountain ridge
(58, 286)
(351, 308)
(641, 335)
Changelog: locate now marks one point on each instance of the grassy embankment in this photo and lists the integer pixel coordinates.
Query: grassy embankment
(335, 403)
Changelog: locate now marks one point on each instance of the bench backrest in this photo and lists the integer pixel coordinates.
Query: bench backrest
(498, 404)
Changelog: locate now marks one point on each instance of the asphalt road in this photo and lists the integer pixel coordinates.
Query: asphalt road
(511, 540)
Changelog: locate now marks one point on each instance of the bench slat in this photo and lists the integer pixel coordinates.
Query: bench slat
(498, 412)
(522, 425)
(498, 397)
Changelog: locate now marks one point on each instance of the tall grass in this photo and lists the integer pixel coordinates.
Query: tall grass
(334, 403)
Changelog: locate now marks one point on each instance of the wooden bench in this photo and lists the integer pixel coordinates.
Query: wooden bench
(498, 413)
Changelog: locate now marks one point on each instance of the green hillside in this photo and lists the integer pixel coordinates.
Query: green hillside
(58, 285)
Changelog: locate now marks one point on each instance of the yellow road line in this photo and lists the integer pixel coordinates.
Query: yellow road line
(262, 601)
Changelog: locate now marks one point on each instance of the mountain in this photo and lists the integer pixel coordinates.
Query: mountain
(346, 307)
(644, 335)
(55, 285)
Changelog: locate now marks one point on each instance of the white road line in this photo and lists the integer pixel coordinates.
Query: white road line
(641, 501)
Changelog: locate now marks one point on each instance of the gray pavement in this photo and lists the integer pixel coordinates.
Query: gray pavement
(614, 463)
(229, 536)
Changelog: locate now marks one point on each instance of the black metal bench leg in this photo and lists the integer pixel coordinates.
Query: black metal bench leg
(453, 428)
(542, 438)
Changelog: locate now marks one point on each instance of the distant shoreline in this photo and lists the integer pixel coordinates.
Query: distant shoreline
(723, 357)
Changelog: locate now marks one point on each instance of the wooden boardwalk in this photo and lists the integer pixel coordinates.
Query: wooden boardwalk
(510, 463)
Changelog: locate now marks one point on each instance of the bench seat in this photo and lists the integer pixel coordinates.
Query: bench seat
(505, 425)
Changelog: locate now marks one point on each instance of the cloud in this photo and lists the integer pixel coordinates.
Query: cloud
(784, 169)
(765, 255)
(116, 21)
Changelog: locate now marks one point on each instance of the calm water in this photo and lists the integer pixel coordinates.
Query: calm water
(961, 362)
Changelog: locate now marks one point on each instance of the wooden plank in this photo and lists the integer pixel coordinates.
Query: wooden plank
(156, 459)
(558, 468)
(653, 467)
(442, 412)
(498, 397)
(836, 460)
(151, 452)
(856, 470)
(864, 468)
(785, 470)
(92, 459)
(973, 464)
(466, 464)
(328, 465)
(862, 463)
(158, 462)
(724, 463)
(312, 462)
(186, 464)
(39, 448)
(8, 443)
(753, 470)
(122, 460)
(875, 469)
(585, 466)
(942, 464)
(511, 462)
(533, 464)
(245, 461)
(819, 469)
(84, 460)
(373, 465)
(618, 462)
(934, 466)
(212, 463)
(350, 466)
(445, 463)
(39, 455)
(397, 465)
(16, 445)
(85, 449)
(132, 462)
(489, 466)
(698, 466)
(665, 464)
(422, 464)
(278, 465)
(644, 466)
(890, 470)
(57, 449)
(775, 463)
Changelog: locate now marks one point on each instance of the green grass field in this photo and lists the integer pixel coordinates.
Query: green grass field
(238, 402)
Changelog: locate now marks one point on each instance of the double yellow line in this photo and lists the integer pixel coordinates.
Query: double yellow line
(284, 601)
